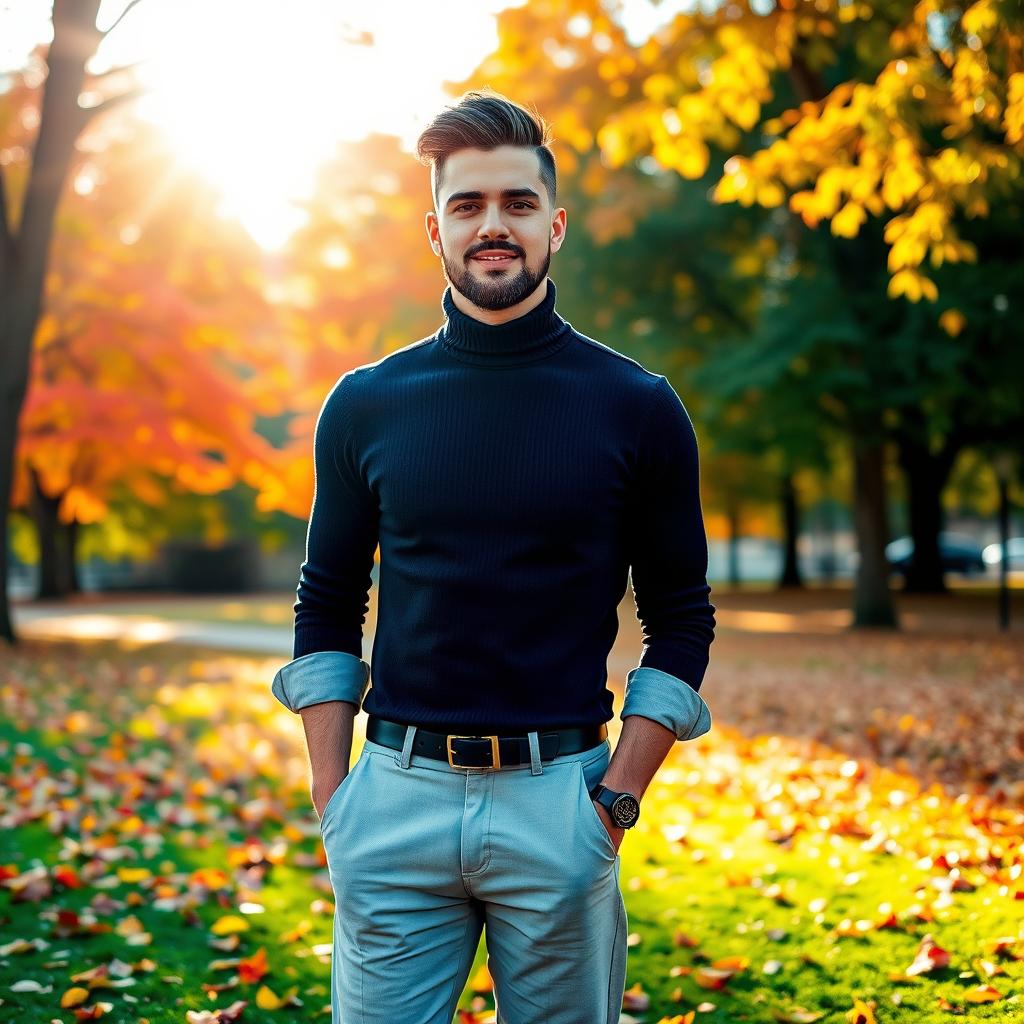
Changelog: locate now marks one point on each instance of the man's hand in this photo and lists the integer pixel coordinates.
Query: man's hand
(328, 729)
(322, 793)
(615, 832)
(643, 746)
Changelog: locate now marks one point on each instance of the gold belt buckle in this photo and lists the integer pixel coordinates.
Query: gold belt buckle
(495, 753)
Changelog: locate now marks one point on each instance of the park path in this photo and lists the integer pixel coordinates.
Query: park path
(114, 621)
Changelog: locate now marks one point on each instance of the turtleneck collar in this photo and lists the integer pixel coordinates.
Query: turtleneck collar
(532, 336)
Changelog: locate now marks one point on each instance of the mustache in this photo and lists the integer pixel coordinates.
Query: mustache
(495, 247)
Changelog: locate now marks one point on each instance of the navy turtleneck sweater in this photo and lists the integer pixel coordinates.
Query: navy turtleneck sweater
(514, 477)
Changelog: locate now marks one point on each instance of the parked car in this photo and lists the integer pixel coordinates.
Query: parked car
(957, 553)
(993, 553)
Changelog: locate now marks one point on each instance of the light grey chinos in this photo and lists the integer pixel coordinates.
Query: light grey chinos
(423, 856)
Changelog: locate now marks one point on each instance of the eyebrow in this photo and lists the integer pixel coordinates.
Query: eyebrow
(506, 193)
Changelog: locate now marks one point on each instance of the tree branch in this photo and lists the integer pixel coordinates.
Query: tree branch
(120, 17)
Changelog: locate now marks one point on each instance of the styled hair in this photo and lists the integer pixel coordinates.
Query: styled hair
(484, 119)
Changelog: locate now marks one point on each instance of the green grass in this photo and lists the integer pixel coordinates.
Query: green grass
(128, 733)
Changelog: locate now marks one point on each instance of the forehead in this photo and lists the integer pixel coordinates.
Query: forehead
(490, 170)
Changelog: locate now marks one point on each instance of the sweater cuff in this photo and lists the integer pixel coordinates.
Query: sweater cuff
(667, 700)
(319, 677)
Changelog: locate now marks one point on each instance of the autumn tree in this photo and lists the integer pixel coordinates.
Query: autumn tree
(156, 352)
(880, 122)
(25, 237)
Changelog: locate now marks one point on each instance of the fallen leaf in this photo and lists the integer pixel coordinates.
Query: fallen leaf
(253, 968)
(74, 997)
(222, 1016)
(929, 957)
(861, 1013)
(229, 925)
(635, 998)
(798, 1015)
(983, 994)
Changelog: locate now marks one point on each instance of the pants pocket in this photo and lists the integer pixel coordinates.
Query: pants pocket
(590, 774)
(335, 799)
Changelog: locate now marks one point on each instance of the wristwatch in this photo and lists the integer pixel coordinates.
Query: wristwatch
(623, 807)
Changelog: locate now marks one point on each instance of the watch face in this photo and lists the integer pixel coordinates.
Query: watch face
(625, 810)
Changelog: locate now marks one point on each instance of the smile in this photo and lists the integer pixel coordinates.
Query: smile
(497, 260)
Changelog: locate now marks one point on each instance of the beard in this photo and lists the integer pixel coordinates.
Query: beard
(500, 289)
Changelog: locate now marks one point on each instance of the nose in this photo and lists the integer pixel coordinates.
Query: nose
(492, 225)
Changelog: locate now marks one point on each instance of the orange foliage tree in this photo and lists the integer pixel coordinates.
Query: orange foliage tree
(25, 238)
(359, 280)
(156, 351)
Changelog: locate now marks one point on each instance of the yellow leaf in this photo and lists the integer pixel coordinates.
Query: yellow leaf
(1013, 116)
(983, 994)
(899, 284)
(980, 18)
(74, 997)
(229, 924)
(133, 874)
(770, 193)
(846, 223)
(862, 1013)
(660, 87)
(266, 999)
(731, 963)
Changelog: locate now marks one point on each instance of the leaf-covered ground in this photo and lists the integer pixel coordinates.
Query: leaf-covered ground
(846, 844)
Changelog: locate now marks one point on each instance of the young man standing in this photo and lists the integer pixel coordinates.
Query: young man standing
(513, 472)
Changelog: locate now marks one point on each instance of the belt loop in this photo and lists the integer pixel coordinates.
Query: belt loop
(536, 768)
(410, 735)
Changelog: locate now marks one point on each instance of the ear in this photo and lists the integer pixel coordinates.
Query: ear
(433, 232)
(558, 219)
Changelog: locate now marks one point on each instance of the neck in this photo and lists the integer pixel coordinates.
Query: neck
(532, 335)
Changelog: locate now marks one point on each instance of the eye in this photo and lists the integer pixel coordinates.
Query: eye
(519, 203)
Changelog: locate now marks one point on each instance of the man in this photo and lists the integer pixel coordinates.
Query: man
(512, 471)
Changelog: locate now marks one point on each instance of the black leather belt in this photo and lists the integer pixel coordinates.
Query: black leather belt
(492, 751)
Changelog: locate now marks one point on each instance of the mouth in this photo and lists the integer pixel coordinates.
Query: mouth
(495, 259)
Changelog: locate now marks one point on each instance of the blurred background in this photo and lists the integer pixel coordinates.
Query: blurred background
(807, 216)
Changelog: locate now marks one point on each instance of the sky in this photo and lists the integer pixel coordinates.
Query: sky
(256, 93)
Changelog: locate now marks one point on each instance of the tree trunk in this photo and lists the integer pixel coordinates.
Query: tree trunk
(791, 528)
(72, 584)
(14, 358)
(873, 604)
(24, 256)
(51, 539)
(926, 474)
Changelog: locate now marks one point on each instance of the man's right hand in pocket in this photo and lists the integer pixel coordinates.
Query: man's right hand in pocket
(321, 794)
(328, 728)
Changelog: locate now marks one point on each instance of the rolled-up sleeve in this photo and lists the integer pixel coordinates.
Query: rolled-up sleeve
(668, 572)
(667, 700)
(321, 676)
(335, 577)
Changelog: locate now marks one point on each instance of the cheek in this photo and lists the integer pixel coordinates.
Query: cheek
(536, 241)
(456, 242)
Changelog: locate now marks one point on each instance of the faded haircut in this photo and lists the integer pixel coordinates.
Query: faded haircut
(484, 119)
